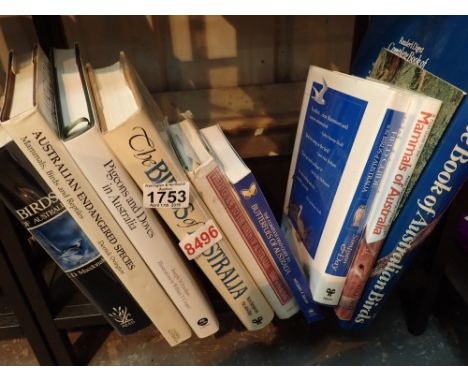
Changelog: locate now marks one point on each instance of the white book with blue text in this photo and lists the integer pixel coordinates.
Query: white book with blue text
(346, 130)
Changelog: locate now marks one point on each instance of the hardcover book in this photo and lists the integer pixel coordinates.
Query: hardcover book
(133, 127)
(224, 203)
(80, 132)
(346, 129)
(435, 44)
(29, 118)
(38, 209)
(254, 202)
(410, 142)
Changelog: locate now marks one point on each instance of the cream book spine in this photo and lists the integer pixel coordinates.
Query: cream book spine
(124, 200)
(34, 131)
(223, 202)
(145, 151)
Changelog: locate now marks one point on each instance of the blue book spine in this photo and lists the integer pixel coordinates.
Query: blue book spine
(355, 220)
(260, 212)
(442, 178)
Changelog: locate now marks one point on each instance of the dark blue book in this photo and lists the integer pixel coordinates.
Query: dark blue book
(436, 44)
(44, 216)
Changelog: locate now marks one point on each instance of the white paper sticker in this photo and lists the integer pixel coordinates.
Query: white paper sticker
(166, 195)
(201, 240)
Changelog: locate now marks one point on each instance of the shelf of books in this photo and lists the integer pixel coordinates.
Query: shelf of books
(175, 169)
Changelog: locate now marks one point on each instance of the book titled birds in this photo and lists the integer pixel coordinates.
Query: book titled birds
(39, 210)
(133, 127)
(29, 118)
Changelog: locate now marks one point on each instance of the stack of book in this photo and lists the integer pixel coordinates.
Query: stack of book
(97, 175)
(375, 164)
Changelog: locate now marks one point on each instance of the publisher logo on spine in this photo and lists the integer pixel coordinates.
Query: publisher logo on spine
(122, 316)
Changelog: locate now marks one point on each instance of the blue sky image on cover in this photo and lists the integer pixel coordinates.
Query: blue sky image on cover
(62, 238)
(323, 153)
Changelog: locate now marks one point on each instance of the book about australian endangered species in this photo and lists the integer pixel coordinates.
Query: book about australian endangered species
(436, 46)
(80, 132)
(134, 129)
(347, 127)
(224, 203)
(409, 144)
(39, 210)
(259, 211)
(29, 118)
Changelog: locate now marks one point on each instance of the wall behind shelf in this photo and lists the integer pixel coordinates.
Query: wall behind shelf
(246, 72)
(174, 53)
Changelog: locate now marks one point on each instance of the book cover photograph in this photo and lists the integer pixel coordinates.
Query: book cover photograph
(395, 70)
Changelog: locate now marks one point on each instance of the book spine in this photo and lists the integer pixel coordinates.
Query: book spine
(223, 202)
(123, 199)
(44, 216)
(149, 159)
(356, 217)
(401, 165)
(259, 211)
(443, 177)
(34, 132)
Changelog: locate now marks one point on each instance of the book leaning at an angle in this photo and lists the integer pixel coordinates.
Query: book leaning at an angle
(401, 163)
(29, 118)
(347, 127)
(132, 126)
(427, 42)
(80, 132)
(39, 210)
(224, 203)
(258, 209)
(391, 68)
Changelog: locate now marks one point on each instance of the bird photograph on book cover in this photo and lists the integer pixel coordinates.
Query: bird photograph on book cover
(63, 239)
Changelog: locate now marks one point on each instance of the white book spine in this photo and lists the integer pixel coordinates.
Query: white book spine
(326, 287)
(124, 200)
(148, 161)
(225, 206)
(408, 147)
(33, 132)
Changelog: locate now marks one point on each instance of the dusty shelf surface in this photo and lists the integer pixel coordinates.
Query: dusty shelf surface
(284, 342)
